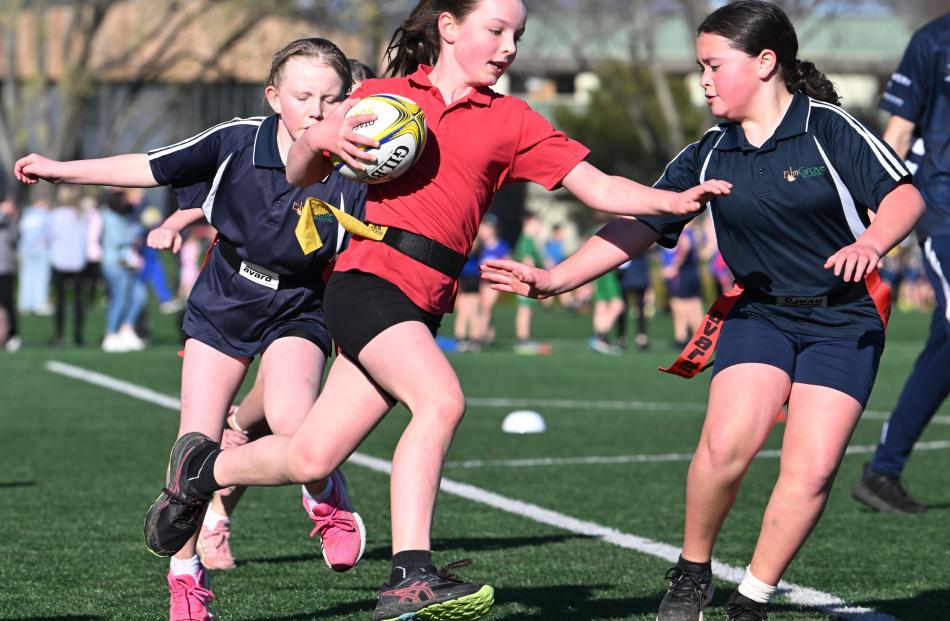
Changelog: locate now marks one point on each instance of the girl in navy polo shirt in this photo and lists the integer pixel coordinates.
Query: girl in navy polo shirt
(806, 330)
(386, 298)
(262, 289)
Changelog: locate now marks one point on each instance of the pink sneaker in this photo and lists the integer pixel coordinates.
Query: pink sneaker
(341, 530)
(230, 439)
(213, 547)
(190, 597)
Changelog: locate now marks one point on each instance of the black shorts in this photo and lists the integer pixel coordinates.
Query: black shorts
(360, 306)
(470, 284)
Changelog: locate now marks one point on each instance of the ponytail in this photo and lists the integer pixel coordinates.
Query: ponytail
(417, 41)
(807, 78)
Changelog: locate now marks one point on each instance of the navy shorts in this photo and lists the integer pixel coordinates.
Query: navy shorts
(847, 364)
(360, 306)
(239, 317)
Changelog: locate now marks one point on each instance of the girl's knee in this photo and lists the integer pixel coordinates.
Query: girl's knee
(813, 479)
(306, 465)
(443, 409)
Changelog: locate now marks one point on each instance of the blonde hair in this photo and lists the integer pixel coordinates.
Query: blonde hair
(323, 50)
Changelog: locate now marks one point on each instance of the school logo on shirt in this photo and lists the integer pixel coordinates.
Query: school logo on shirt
(793, 174)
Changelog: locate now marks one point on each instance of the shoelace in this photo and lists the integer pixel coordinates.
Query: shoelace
(443, 572)
(183, 595)
(676, 576)
(333, 520)
(218, 537)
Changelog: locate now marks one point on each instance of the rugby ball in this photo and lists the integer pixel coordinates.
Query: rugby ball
(400, 128)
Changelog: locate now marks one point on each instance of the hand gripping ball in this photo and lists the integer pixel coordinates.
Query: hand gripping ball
(400, 128)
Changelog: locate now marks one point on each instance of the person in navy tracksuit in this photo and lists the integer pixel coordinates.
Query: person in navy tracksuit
(262, 289)
(918, 97)
(809, 326)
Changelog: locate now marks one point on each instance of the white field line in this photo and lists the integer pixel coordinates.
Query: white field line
(632, 406)
(938, 445)
(823, 602)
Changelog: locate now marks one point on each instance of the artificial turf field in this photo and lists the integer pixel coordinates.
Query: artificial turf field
(572, 539)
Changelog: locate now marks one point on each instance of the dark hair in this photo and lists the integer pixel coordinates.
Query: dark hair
(752, 26)
(417, 41)
(361, 72)
(320, 49)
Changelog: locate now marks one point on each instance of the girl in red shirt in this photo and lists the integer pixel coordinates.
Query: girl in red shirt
(386, 298)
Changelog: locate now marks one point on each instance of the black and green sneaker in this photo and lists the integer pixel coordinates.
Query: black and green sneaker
(434, 595)
(741, 608)
(686, 596)
(173, 517)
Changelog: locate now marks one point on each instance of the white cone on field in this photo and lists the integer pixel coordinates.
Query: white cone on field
(523, 421)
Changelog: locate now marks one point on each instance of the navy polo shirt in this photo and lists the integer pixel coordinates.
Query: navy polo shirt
(796, 200)
(919, 91)
(234, 173)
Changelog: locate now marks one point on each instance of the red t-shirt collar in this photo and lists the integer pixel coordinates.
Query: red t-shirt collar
(420, 78)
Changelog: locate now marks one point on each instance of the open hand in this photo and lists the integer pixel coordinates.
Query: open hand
(519, 278)
(693, 199)
(854, 262)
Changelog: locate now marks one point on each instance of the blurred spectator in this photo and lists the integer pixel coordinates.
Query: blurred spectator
(526, 251)
(467, 323)
(554, 252)
(493, 247)
(33, 252)
(608, 306)
(10, 336)
(194, 246)
(709, 251)
(153, 270)
(635, 288)
(93, 272)
(121, 240)
(681, 272)
(68, 259)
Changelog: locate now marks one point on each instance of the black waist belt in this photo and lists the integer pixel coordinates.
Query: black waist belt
(426, 251)
(846, 296)
(286, 281)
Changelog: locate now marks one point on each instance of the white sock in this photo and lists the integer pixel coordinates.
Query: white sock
(213, 518)
(180, 567)
(755, 589)
(324, 495)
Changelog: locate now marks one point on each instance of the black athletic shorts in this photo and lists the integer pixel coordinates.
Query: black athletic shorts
(359, 306)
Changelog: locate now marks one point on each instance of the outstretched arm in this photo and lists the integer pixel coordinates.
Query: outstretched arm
(128, 171)
(625, 197)
(613, 245)
(896, 217)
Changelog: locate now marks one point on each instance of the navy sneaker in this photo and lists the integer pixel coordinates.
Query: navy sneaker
(741, 608)
(686, 596)
(884, 492)
(173, 517)
(434, 595)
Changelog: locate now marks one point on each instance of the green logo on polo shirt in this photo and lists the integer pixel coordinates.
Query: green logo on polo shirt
(803, 172)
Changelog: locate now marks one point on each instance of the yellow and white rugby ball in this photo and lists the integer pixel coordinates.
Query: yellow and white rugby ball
(400, 128)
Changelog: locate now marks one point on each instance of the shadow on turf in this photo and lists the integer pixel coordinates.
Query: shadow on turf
(926, 606)
(17, 484)
(463, 545)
